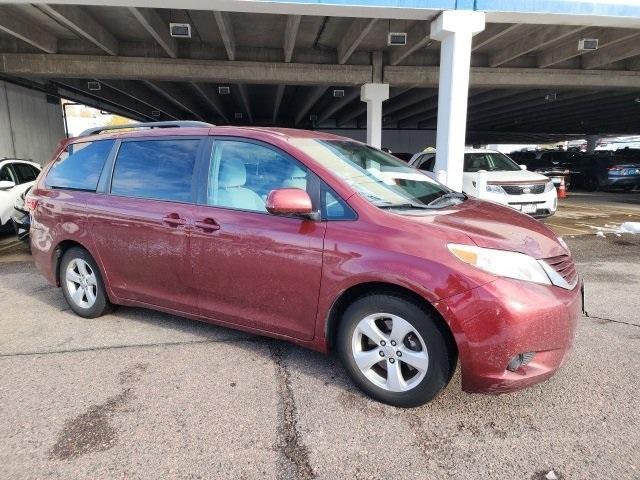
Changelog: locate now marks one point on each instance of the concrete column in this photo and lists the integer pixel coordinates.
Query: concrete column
(592, 143)
(454, 29)
(374, 94)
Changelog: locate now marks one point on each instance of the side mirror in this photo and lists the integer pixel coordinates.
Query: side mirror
(523, 167)
(6, 184)
(289, 201)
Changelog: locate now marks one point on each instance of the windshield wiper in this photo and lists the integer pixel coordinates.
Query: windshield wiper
(448, 196)
(403, 205)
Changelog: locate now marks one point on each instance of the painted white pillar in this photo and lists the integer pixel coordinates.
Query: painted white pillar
(454, 29)
(374, 94)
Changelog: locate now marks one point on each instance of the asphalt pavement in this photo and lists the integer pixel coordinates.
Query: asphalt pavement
(142, 394)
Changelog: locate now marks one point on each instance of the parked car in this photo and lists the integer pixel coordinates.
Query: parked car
(16, 176)
(507, 182)
(312, 238)
(550, 164)
(598, 171)
(21, 219)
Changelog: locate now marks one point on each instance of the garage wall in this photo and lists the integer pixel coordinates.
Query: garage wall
(30, 126)
(410, 141)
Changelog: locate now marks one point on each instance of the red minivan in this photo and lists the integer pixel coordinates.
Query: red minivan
(311, 238)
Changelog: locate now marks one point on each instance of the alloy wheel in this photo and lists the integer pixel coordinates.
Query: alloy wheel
(390, 352)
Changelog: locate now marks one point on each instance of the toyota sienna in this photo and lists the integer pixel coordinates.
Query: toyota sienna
(311, 238)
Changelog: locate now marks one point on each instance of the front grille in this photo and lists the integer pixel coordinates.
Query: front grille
(535, 188)
(563, 264)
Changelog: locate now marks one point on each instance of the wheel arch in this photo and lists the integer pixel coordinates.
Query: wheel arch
(354, 292)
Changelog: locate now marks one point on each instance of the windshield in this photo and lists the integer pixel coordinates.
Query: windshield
(379, 177)
(489, 161)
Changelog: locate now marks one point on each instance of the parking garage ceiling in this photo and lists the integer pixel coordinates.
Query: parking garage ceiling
(528, 82)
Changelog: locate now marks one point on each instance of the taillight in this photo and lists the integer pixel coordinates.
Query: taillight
(30, 203)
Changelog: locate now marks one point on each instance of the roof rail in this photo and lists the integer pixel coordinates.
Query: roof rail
(176, 124)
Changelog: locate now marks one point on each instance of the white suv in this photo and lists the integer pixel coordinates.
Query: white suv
(507, 182)
(16, 176)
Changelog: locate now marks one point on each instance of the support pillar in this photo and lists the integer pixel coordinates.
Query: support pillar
(455, 30)
(374, 94)
(592, 143)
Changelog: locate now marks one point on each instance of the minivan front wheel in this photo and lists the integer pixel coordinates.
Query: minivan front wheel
(82, 284)
(394, 351)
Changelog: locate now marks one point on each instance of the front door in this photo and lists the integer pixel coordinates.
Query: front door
(141, 228)
(251, 268)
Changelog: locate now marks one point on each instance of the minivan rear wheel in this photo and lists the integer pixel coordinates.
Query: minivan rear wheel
(82, 284)
(394, 351)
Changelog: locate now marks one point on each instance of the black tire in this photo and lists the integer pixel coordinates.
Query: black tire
(442, 359)
(101, 305)
(591, 184)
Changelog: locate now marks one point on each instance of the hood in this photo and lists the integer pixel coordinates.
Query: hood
(491, 225)
(515, 176)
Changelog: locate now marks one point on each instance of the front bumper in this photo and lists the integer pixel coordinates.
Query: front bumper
(545, 203)
(497, 321)
(21, 224)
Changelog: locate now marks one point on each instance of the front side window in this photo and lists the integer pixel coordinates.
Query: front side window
(242, 174)
(26, 173)
(380, 178)
(79, 166)
(156, 169)
(489, 161)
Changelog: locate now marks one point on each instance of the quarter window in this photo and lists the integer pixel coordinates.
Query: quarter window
(79, 166)
(157, 169)
(242, 174)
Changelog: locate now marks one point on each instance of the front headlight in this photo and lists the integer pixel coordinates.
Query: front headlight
(494, 188)
(549, 186)
(501, 263)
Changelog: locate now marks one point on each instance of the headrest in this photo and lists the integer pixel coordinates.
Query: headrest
(233, 173)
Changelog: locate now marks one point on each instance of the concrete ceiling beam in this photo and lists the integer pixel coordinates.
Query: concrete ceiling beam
(290, 34)
(81, 23)
(223, 20)
(157, 28)
(144, 94)
(568, 48)
(538, 38)
(210, 95)
(177, 95)
(491, 33)
(630, 47)
(181, 70)
(312, 98)
(357, 32)
(28, 32)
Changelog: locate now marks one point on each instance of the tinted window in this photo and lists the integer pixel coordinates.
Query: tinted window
(6, 175)
(242, 174)
(158, 169)
(79, 166)
(26, 173)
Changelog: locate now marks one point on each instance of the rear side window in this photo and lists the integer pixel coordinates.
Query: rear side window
(79, 166)
(26, 173)
(156, 169)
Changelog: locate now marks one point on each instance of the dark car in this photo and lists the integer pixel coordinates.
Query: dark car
(552, 164)
(20, 218)
(603, 171)
(311, 238)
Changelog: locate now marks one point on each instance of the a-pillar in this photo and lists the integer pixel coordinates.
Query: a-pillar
(455, 30)
(374, 94)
